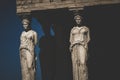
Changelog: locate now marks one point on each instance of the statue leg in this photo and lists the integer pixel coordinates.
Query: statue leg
(83, 67)
(75, 71)
(24, 68)
(30, 62)
(74, 64)
(82, 54)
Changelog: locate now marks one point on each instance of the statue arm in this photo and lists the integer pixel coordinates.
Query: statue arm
(21, 37)
(88, 35)
(35, 38)
(70, 37)
(71, 40)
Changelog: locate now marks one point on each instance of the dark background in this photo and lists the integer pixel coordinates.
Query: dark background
(103, 53)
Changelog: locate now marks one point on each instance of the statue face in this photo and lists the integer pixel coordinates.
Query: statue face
(25, 23)
(78, 20)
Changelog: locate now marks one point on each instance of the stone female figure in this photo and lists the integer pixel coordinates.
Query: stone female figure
(27, 56)
(79, 38)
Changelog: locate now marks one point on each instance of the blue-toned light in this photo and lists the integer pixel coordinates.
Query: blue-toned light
(52, 33)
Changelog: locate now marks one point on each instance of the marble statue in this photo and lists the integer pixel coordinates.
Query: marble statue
(79, 38)
(28, 41)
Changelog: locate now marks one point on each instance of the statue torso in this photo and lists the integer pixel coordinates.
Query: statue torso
(79, 34)
(27, 39)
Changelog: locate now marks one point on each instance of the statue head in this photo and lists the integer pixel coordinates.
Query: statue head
(78, 19)
(26, 23)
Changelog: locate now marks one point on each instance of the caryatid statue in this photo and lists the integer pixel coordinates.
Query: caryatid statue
(27, 52)
(79, 38)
